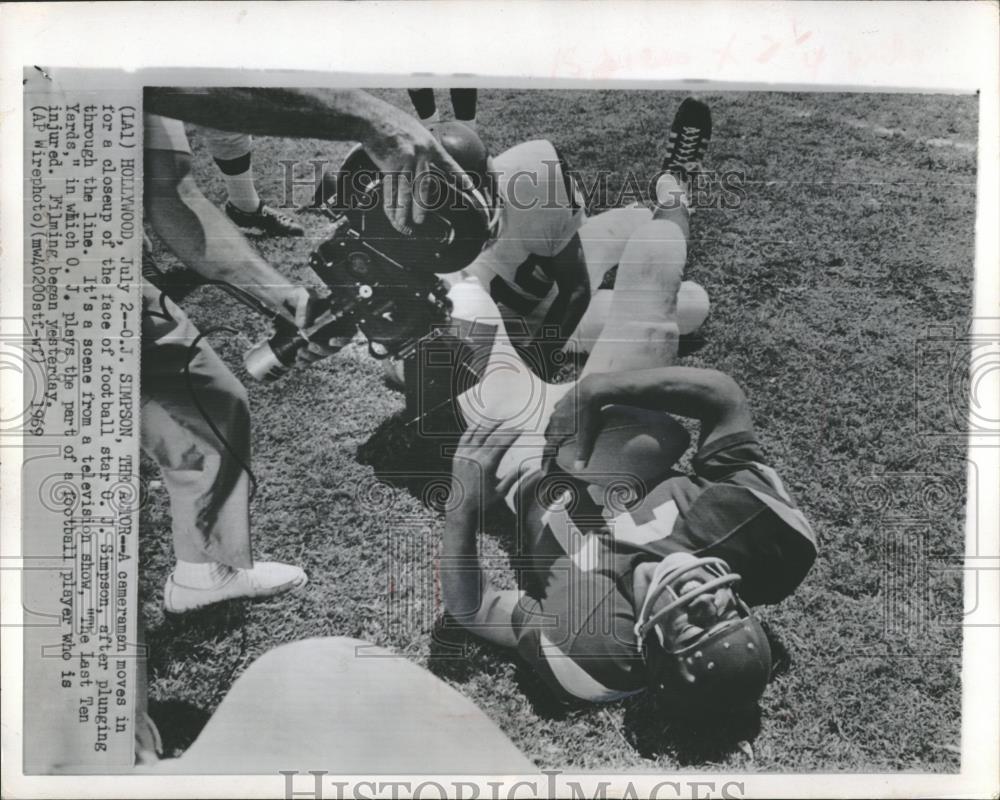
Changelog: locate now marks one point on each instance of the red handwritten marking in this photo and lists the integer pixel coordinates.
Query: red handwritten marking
(812, 59)
(803, 37)
(726, 53)
(768, 53)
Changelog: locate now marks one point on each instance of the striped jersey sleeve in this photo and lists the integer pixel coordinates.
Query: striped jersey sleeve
(578, 635)
(735, 507)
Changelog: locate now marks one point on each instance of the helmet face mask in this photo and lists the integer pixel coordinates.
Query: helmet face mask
(702, 646)
(698, 596)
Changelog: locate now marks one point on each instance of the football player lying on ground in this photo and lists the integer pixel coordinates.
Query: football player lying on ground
(634, 587)
(546, 262)
(620, 596)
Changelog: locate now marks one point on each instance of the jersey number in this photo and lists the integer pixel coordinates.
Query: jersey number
(528, 281)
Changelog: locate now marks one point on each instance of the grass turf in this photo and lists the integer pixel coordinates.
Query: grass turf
(853, 240)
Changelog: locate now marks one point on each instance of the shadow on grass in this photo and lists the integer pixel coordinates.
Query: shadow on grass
(405, 458)
(545, 702)
(656, 731)
(456, 655)
(781, 659)
(180, 636)
(421, 465)
(179, 724)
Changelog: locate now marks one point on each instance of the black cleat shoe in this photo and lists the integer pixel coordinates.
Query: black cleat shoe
(266, 220)
(690, 133)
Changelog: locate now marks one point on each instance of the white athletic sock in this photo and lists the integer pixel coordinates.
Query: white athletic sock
(471, 123)
(670, 193)
(435, 117)
(195, 575)
(242, 192)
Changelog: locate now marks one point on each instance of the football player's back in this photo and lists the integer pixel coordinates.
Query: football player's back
(542, 210)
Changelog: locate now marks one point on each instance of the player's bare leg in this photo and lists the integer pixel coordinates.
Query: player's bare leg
(641, 329)
(632, 314)
(604, 238)
(692, 310)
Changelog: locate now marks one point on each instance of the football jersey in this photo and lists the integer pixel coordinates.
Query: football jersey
(542, 210)
(577, 629)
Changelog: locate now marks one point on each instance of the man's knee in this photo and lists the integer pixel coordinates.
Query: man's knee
(236, 402)
(221, 393)
(227, 145)
(657, 243)
(693, 306)
(167, 173)
(650, 274)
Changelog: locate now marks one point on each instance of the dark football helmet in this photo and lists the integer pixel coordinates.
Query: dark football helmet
(458, 222)
(471, 154)
(724, 666)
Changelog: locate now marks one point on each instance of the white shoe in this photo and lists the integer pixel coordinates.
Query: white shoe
(265, 579)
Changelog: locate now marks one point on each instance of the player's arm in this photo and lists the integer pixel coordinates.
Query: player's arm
(396, 142)
(467, 595)
(568, 269)
(708, 395)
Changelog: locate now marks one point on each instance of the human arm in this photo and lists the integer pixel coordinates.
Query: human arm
(204, 239)
(468, 598)
(396, 142)
(708, 395)
(568, 269)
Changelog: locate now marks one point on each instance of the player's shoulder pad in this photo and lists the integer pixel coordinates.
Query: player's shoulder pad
(525, 156)
(530, 177)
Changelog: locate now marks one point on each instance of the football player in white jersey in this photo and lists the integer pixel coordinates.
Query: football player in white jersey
(545, 264)
(545, 267)
(536, 270)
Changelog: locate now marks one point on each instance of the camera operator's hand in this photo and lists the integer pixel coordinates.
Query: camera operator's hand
(396, 141)
(405, 150)
(305, 307)
(317, 351)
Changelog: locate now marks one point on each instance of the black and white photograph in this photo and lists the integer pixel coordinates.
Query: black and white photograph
(639, 448)
(624, 434)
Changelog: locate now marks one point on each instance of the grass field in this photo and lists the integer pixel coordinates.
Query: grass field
(855, 239)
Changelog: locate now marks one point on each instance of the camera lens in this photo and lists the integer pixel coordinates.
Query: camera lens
(263, 363)
(359, 264)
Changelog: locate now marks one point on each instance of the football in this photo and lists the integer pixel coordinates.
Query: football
(633, 443)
